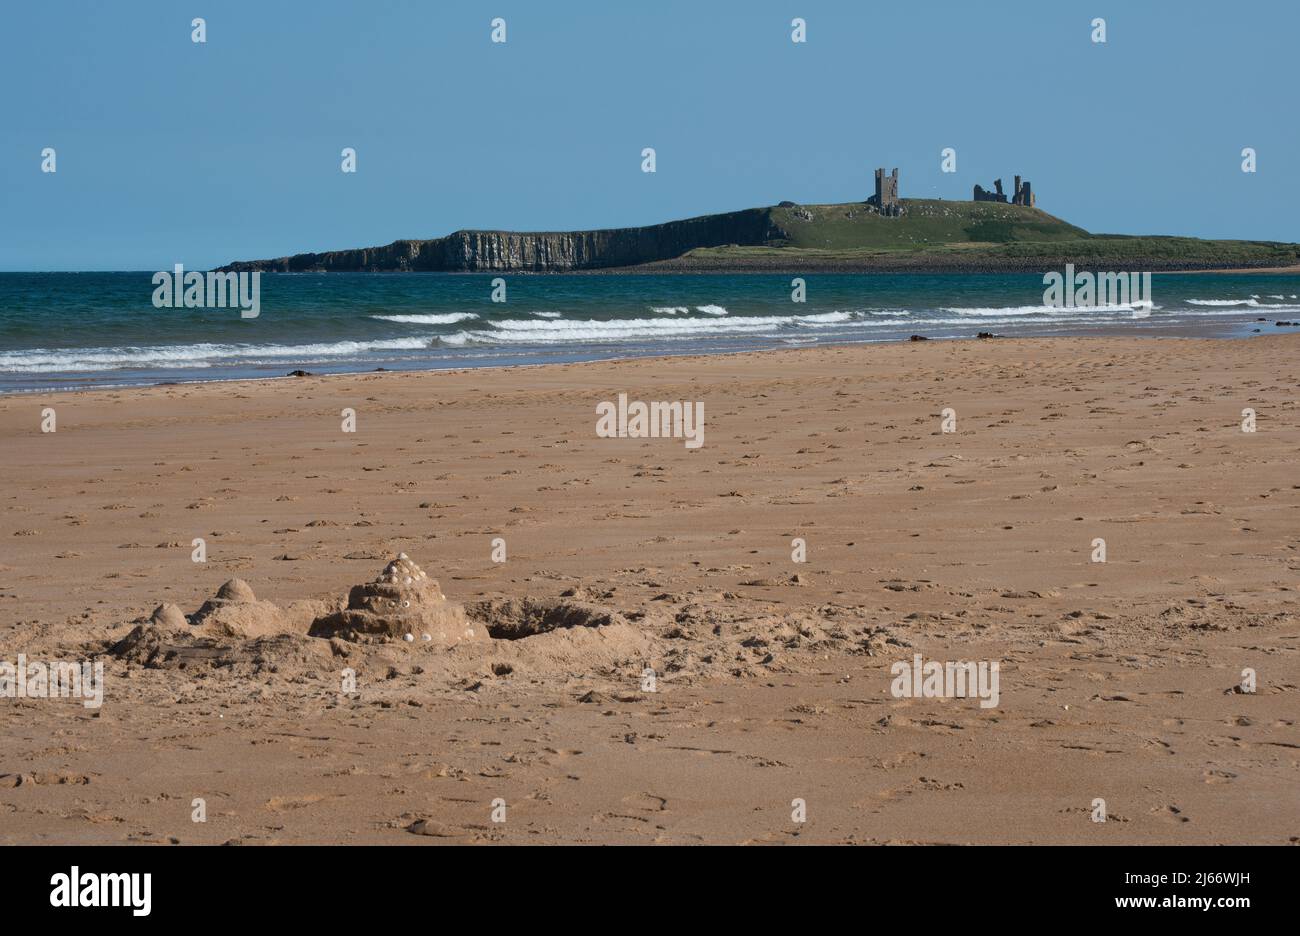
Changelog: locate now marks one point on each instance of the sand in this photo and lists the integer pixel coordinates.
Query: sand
(659, 669)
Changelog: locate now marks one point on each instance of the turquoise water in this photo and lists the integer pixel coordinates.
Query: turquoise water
(61, 330)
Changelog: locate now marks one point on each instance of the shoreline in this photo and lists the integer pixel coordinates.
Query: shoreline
(433, 356)
(616, 358)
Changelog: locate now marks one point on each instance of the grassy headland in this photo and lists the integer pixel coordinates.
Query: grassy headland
(932, 235)
(937, 236)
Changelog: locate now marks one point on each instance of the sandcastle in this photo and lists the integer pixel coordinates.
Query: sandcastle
(233, 614)
(403, 603)
(236, 612)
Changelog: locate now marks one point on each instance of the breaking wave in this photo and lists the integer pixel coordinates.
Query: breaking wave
(1004, 311)
(44, 360)
(567, 330)
(446, 318)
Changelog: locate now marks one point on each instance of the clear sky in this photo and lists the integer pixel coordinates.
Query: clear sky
(174, 152)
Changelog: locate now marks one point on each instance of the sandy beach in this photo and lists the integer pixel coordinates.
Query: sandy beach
(629, 560)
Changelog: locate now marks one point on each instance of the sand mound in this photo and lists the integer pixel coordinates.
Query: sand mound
(169, 616)
(402, 600)
(235, 612)
(236, 590)
(156, 644)
(156, 647)
(146, 642)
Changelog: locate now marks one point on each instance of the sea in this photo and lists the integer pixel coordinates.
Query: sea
(63, 331)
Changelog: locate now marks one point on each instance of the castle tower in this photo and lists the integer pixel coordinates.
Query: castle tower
(886, 196)
(1023, 194)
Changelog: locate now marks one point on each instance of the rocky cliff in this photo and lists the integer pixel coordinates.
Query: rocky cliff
(543, 252)
(931, 235)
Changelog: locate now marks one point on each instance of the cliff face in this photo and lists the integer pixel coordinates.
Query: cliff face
(547, 252)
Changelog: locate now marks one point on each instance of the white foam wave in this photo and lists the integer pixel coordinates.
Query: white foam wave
(711, 309)
(447, 318)
(47, 360)
(1005, 311)
(1236, 310)
(547, 332)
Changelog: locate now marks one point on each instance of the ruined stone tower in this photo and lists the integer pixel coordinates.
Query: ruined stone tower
(1023, 195)
(886, 197)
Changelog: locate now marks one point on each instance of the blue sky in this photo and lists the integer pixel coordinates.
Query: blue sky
(174, 152)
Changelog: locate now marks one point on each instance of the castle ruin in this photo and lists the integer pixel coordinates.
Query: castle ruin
(1023, 194)
(886, 198)
(887, 202)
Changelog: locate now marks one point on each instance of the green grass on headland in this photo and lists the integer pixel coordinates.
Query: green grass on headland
(935, 235)
(925, 223)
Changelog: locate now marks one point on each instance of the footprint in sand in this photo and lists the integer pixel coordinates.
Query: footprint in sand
(646, 802)
(1170, 812)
